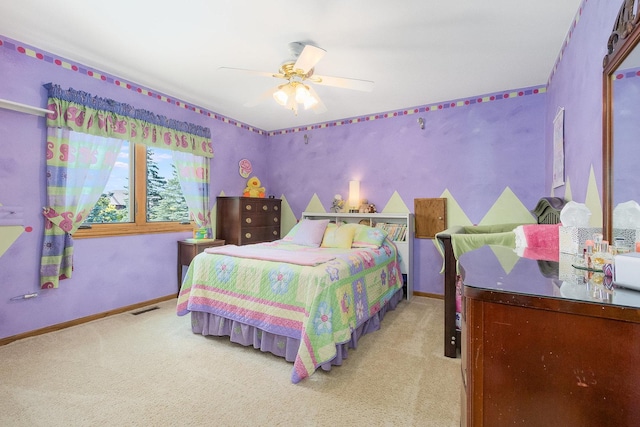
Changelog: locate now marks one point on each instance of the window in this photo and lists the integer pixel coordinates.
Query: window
(143, 195)
(78, 170)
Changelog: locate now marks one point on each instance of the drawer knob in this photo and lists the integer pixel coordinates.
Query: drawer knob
(265, 207)
(275, 233)
(248, 235)
(275, 208)
(248, 220)
(248, 207)
(275, 219)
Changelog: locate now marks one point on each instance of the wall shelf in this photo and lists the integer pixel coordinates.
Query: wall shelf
(23, 108)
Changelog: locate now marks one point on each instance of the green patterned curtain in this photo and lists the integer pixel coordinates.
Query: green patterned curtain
(78, 168)
(84, 113)
(193, 174)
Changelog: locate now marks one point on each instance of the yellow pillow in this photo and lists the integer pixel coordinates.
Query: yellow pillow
(338, 236)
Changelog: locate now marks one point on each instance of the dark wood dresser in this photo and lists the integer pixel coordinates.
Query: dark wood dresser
(246, 220)
(543, 345)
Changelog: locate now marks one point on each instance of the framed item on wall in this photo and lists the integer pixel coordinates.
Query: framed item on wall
(558, 149)
(430, 217)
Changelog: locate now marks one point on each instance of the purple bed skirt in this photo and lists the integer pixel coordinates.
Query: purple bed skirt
(282, 346)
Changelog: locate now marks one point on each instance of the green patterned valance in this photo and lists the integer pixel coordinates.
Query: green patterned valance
(82, 112)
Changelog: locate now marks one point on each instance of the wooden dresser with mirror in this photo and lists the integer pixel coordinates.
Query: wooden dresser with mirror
(543, 346)
(621, 127)
(539, 348)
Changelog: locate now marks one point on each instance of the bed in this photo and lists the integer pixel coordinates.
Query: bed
(305, 298)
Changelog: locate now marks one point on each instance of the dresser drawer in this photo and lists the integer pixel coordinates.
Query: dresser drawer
(260, 213)
(259, 219)
(261, 205)
(259, 234)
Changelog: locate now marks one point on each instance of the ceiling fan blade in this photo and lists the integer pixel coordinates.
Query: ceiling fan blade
(319, 108)
(308, 58)
(260, 99)
(344, 83)
(254, 72)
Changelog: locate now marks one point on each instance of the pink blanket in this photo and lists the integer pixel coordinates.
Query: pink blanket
(542, 235)
(538, 241)
(266, 253)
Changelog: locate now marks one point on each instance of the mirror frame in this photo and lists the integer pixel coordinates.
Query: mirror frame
(623, 38)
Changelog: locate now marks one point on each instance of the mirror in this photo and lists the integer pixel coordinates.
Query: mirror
(621, 107)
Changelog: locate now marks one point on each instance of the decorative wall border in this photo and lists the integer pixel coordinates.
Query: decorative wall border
(413, 110)
(32, 52)
(627, 74)
(567, 39)
(78, 68)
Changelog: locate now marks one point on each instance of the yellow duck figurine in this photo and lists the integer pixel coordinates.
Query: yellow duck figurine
(253, 188)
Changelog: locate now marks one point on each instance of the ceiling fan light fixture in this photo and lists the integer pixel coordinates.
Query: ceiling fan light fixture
(283, 94)
(292, 105)
(310, 102)
(295, 93)
(302, 93)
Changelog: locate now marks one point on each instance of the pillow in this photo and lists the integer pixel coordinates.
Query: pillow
(338, 236)
(310, 232)
(291, 233)
(368, 237)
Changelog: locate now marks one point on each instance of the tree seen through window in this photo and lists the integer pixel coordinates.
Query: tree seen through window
(164, 198)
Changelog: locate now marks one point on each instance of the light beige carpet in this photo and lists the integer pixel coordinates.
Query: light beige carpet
(151, 370)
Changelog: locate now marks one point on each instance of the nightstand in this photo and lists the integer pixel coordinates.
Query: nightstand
(189, 248)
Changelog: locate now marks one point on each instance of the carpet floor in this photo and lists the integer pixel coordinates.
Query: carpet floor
(151, 370)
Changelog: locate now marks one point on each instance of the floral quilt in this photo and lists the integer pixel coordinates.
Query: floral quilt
(319, 305)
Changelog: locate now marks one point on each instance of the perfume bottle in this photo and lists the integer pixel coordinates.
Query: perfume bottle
(597, 242)
(588, 254)
(602, 256)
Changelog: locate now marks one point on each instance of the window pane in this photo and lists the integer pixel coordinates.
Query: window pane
(165, 201)
(113, 204)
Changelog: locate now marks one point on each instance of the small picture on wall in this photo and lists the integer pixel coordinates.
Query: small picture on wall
(558, 149)
(245, 168)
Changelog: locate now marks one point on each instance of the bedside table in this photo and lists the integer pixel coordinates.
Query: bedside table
(189, 248)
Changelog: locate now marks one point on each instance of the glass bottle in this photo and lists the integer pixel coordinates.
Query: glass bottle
(602, 256)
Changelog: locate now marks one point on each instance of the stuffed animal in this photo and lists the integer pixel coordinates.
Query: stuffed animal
(253, 188)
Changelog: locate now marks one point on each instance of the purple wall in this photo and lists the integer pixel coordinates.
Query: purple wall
(474, 151)
(109, 273)
(576, 85)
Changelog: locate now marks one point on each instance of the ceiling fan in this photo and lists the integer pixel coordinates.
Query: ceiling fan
(299, 73)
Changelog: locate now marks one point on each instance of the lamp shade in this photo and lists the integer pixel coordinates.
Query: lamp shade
(354, 194)
(302, 94)
(280, 97)
(310, 102)
(284, 94)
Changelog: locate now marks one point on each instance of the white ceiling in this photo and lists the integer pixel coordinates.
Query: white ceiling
(417, 52)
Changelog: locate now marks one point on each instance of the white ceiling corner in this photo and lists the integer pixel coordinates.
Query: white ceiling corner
(417, 52)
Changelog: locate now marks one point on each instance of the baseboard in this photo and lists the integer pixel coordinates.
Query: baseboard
(428, 295)
(75, 322)
(64, 325)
